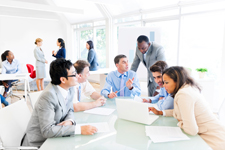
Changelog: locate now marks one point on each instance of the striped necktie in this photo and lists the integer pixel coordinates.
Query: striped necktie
(122, 85)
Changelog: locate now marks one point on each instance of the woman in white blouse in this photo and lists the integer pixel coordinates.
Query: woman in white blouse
(191, 109)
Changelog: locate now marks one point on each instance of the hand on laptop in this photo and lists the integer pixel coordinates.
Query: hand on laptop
(129, 83)
(155, 111)
(112, 95)
(88, 130)
(147, 100)
(100, 101)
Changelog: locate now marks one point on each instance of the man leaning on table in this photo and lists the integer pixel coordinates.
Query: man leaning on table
(124, 82)
(163, 99)
(84, 88)
(53, 115)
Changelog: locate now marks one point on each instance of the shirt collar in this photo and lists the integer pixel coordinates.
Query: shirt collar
(119, 74)
(63, 92)
(8, 61)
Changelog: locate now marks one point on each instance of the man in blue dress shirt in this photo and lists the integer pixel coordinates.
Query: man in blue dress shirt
(124, 82)
(165, 101)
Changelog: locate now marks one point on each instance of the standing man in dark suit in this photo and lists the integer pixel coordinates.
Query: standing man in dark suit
(148, 53)
(53, 114)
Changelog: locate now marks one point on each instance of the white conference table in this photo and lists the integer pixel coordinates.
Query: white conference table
(123, 135)
(102, 72)
(24, 76)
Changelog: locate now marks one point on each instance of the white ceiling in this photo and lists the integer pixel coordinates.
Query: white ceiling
(91, 11)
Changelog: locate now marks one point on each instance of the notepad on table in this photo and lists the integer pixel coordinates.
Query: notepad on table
(100, 111)
(165, 134)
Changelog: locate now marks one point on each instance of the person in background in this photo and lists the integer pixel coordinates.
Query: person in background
(124, 82)
(9, 66)
(53, 114)
(40, 64)
(85, 88)
(148, 53)
(3, 101)
(92, 56)
(190, 108)
(163, 99)
(61, 53)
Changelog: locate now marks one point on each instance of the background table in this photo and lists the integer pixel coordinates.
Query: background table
(103, 73)
(124, 135)
(24, 77)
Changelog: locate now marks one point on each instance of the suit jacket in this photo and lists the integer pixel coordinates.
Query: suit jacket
(49, 110)
(154, 54)
(40, 57)
(93, 60)
(196, 118)
(61, 53)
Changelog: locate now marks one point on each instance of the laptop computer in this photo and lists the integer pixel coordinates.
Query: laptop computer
(131, 110)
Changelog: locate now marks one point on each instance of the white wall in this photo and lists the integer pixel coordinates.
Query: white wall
(18, 35)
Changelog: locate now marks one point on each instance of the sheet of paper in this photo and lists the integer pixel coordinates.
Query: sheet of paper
(165, 134)
(153, 105)
(101, 126)
(137, 98)
(100, 111)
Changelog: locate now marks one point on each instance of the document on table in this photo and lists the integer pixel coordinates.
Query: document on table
(101, 126)
(137, 99)
(100, 111)
(153, 105)
(165, 134)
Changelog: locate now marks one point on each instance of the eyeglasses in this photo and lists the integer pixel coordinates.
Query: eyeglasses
(74, 75)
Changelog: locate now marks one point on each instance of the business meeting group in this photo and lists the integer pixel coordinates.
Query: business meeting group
(173, 90)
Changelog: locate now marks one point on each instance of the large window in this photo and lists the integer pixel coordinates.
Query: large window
(169, 38)
(85, 36)
(202, 41)
(95, 32)
(100, 45)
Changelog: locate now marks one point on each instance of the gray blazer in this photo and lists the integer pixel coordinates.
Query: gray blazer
(40, 57)
(154, 54)
(49, 110)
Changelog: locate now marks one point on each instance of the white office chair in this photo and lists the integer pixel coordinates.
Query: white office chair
(13, 124)
(34, 97)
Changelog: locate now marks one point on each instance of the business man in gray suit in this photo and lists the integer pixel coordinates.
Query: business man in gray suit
(148, 53)
(53, 114)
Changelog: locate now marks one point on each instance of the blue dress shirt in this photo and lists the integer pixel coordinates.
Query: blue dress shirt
(113, 80)
(61, 53)
(166, 102)
(12, 68)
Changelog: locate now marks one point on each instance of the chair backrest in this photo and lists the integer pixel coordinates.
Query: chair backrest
(34, 97)
(13, 124)
(31, 70)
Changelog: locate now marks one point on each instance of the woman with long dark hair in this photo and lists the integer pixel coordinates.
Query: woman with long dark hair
(40, 64)
(92, 56)
(61, 53)
(9, 66)
(190, 108)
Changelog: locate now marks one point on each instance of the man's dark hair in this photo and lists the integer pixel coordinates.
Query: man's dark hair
(159, 66)
(118, 57)
(142, 38)
(80, 65)
(59, 68)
